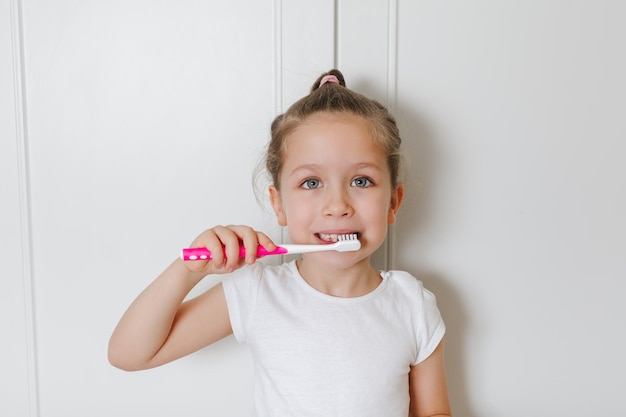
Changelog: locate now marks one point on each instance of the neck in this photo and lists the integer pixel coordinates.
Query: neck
(346, 282)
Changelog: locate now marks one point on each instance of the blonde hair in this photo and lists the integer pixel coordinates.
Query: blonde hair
(334, 97)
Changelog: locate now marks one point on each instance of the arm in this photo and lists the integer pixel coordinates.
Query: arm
(427, 387)
(159, 327)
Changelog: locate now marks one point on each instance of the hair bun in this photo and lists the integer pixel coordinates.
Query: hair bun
(333, 76)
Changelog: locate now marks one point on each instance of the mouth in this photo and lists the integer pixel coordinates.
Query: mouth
(334, 237)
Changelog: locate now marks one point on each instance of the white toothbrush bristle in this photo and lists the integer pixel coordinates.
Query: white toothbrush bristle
(348, 242)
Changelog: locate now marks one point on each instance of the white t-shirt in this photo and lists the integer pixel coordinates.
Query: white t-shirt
(319, 355)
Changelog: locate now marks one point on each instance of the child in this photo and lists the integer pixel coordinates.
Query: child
(330, 335)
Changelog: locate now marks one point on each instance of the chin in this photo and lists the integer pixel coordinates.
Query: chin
(337, 260)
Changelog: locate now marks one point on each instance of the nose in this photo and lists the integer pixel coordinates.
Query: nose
(337, 203)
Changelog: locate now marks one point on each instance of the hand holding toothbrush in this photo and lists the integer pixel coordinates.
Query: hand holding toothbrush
(336, 242)
(225, 244)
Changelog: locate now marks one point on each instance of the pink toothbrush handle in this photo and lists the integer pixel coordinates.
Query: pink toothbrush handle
(200, 254)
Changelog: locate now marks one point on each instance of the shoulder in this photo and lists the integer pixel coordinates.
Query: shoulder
(427, 325)
(405, 282)
(407, 289)
(252, 275)
(248, 287)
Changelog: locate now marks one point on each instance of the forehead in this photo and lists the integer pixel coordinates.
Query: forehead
(329, 136)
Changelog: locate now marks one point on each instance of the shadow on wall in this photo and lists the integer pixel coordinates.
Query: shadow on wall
(420, 149)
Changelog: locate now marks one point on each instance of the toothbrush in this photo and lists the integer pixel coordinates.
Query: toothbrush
(345, 243)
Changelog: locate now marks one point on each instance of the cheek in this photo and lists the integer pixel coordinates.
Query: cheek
(299, 212)
(378, 203)
(380, 210)
(291, 208)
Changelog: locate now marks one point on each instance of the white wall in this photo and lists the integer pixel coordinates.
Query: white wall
(129, 126)
(520, 228)
(17, 343)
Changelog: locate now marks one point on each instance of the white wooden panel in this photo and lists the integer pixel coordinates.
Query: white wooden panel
(516, 112)
(308, 39)
(17, 382)
(145, 121)
(364, 36)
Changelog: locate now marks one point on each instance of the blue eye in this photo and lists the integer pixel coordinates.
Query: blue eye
(361, 182)
(311, 184)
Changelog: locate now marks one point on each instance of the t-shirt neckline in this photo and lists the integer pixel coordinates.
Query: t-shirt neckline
(348, 300)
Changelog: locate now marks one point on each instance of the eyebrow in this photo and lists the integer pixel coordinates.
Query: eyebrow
(358, 165)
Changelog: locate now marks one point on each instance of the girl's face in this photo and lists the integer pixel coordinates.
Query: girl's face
(335, 180)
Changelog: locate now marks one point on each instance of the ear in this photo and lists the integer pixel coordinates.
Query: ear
(394, 205)
(277, 205)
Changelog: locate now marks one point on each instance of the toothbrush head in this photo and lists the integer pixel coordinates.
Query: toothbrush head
(348, 243)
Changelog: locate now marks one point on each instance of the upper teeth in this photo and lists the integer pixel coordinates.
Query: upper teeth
(329, 237)
(333, 237)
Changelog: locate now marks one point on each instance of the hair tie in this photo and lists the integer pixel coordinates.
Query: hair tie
(328, 79)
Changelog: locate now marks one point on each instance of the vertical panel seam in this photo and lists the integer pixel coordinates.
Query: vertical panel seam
(392, 57)
(392, 51)
(278, 57)
(336, 40)
(21, 124)
(279, 76)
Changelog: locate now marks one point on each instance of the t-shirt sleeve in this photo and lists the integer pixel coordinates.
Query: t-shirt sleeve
(241, 289)
(429, 324)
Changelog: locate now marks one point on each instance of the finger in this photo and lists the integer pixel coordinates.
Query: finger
(229, 248)
(209, 240)
(265, 241)
(248, 239)
(250, 242)
(214, 243)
